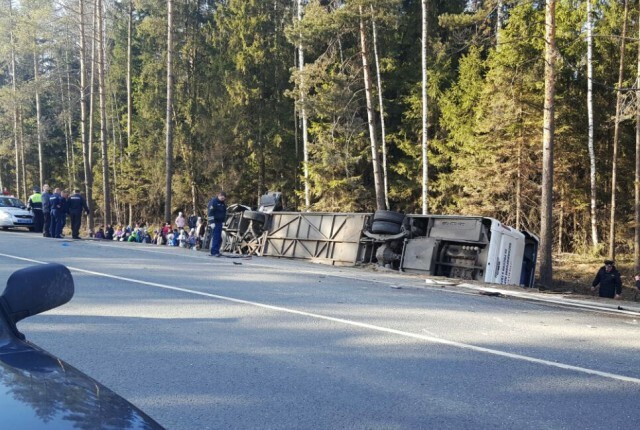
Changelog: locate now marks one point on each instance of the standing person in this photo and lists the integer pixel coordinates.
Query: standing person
(64, 211)
(55, 202)
(35, 205)
(609, 280)
(217, 212)
(46, 211)
(77, 204)
(5, 192)
(192, 220)
(180, 221)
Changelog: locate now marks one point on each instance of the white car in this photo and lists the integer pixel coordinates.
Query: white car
(14, 213)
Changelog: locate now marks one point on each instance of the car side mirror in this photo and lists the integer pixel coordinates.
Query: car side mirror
(34, 290)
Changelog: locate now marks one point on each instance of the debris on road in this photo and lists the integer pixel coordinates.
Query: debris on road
(491, 294)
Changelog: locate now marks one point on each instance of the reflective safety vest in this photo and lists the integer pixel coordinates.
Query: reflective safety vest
(36, 198)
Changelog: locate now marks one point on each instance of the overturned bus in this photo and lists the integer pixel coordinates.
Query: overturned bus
(463, 247)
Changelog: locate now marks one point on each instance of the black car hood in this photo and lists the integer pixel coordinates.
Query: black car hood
(39, 391)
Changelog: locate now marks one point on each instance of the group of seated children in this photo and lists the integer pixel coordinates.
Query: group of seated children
(180, 236)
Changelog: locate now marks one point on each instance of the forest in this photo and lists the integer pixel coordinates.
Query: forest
(430, 106)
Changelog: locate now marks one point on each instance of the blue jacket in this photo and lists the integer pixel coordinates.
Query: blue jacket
(59, 205)
(55, 203)
(217, 210)
(77, 204)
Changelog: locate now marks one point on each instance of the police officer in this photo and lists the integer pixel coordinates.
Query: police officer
(76, 205)
(64, 211)
(46, 211)
(35, 204)
(56, 203)
(217, 211)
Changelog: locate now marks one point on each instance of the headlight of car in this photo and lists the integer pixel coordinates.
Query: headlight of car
(4, 216)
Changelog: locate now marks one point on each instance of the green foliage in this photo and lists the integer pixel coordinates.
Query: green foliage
(238, 89)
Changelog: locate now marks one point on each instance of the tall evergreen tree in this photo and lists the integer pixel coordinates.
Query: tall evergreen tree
(546, 210)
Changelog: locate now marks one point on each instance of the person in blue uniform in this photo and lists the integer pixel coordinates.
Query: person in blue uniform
(76, 204)
(59, 211)
(64, 211)
(608, 278)
(55, 204)
(46, 211)
(217, 212)
(34, 204)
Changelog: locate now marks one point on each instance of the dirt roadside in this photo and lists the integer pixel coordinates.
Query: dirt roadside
(573, 275)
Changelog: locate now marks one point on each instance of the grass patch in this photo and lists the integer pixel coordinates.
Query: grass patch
(574, 273)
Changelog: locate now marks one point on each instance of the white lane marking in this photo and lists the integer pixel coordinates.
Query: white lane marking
(377, 328)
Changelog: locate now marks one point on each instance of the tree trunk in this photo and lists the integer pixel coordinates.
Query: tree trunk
(381, 107)
(116, 138)
(23, 162)
(375, 157)
(103, 116)
(129, 96)
(69, 116)
(561, 221)
(92, 79)
(636, 251)
(86, 148)
(36, 82)
(16, 135)
(114, 163)
(519, 181)
(592, 154)
(169, 123)
(425, 160)
(192, 156)
(303, 115)
(262, 165)
(194, 200)
(616, 138)
(499, 21)
(546, 212)
(67, 137)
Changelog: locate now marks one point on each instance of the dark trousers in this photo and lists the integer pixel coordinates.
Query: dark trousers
(58, 220)
(216, 238)
(76, 219)
(37, 220)
(46, 224)
(53, 225)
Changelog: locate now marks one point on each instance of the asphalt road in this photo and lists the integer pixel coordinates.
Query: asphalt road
(203, 343)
